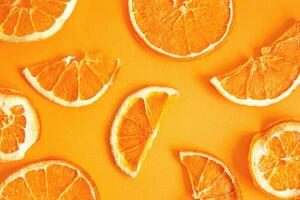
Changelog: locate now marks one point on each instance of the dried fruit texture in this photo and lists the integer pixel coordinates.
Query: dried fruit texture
(267, 79)
(30, 20)
(210, 178)
(19, 125)
(181, 28)
(275, 159)
(49, 180)
(72, 81)
(136, 125)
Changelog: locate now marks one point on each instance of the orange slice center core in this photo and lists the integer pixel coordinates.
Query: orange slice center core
(182, 6)
(5, 119)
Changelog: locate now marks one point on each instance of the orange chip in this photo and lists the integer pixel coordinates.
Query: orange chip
(19, 125)
(136, 125)
(54, 179)
(274, 159)
(181, 28)
(72, 81)
(267, 79)
(30, 20)
(210, 177)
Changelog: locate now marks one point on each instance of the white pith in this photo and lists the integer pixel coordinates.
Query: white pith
(259, 149)
(160, 50)
(32, 125)
(183, 154)
(254, 102)
(79, 102)
(119, 116)
(43, 166)
(46, 34)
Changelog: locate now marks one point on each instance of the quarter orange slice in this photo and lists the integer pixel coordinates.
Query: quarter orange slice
(30, 20)
(274, 159)
(181, 28)
(136, 125)
(210, 177)
(73, 81)
(19, 125)
(267, 79)
(51, 180)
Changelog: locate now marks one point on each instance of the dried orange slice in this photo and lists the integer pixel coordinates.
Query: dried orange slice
(267, 79)
(136, 125)
(274, 159)
(31, 20)
(181, 28)
(73, 81)
(19, 125)
(210, 177)
(50, 180)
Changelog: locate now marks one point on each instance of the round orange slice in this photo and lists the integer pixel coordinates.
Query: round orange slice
(31, 20)
(19, 125)
(50, 180)
(267, 79)
(136, 125)
(274, 159)
(73, 81)
(210, 177)
(181, 28)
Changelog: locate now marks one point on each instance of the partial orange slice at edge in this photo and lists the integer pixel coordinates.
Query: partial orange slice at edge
(19, 125)
(31, 20)
(136, 125)
(267, 79)
(73, 81)
(210, 177)
(181, 28)
(53, 179)
(274, 159)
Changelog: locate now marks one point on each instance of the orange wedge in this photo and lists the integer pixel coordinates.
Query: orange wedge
(19, 125)
(274, 159)
(181, 28)
(31, 20)
(73, 81)
(267, 79)
(49, 180)
(136, 125)
(210, 177)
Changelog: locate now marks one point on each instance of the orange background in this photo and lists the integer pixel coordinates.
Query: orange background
(199, 119)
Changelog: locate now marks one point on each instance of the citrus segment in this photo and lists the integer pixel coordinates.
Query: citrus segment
(181, 28)
(136, 126)
(275, 159)
(72, 81)
(210, 178)
(290, 34)
(50, 180)
(267, 79)
(30, 20)
(19, 125)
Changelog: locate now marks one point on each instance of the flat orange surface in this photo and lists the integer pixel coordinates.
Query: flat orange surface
(199, 119)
